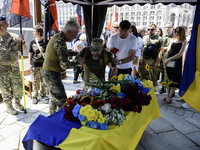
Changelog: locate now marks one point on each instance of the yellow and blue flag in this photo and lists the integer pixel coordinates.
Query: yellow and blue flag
(190, 83)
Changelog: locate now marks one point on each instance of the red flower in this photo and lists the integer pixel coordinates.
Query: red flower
(83, 104)
(95, 104)
(78, 91)
(114, 51)
(135, 109)
(113, 106)
(101, 102)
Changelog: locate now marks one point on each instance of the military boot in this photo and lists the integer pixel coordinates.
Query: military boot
(10, 108)
(18, 105)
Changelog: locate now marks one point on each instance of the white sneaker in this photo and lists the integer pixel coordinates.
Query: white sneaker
(185, 105)
(179, 99)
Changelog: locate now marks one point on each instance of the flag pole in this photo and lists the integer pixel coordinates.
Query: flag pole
(22, 59)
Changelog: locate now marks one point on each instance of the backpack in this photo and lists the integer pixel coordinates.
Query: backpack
(150, 50)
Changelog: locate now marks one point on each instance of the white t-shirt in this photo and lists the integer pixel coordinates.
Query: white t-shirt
(124, 46)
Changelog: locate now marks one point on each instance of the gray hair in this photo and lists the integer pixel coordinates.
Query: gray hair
(71, 26)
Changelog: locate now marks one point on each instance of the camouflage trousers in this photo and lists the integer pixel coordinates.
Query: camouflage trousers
(38, 83)
(151, 74)
(11, 81)
(56, 89)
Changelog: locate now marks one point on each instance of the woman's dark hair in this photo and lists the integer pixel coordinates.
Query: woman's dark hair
(134, 30)
(161, 31)
(181, 33)
(39, 29)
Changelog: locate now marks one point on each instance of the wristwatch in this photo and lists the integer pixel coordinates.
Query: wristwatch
(120, 62)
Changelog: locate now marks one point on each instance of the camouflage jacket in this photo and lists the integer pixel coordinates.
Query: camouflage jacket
(9, 48)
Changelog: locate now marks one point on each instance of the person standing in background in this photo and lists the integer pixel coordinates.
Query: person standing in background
(185, 105)
(138, 53)
(151, 54)
(36, 59)
(166, 43)
(10, 78)
(126, 43)
(78, 46)
(175, 53)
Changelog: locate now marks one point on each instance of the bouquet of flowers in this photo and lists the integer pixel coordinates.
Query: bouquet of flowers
(107, 102)
(166, 82)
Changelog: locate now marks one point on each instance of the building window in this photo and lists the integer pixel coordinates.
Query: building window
(144, 23)
(145, 13)
(127, 7)
(152, 6)
(127, 18)
(138, 18)
(159, 6)
(159, 18)
(132, 13)
(159, 12)
(127, 14)
(151, 18)
(152, 12)
(132, 18)
(138, 13)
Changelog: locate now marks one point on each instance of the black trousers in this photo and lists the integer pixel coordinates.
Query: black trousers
(77, 70)
(124, 71)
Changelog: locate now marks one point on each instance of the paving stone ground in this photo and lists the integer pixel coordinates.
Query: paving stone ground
(176, 129)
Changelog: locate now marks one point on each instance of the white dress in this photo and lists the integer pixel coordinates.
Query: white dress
(139, 51)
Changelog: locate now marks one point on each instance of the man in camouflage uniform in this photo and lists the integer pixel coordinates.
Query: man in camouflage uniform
(10, 78)
(151, 61)
(94, 59)
(56, 61)
(166, 42)
(36, 59)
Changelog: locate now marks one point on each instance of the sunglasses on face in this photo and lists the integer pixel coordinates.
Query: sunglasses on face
(116, 27)
(151, 29)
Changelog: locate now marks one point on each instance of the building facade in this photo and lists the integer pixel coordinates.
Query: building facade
(142, 15)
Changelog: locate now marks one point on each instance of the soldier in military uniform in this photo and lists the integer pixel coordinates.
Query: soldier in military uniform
(10, 78)
(152, 58)
(94, 59)
(56, 61)
(36, 59)
(166, 42)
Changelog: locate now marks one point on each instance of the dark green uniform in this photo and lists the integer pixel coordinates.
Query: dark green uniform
(157, 41)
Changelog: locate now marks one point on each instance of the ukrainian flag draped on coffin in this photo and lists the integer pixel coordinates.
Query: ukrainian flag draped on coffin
(190, 83)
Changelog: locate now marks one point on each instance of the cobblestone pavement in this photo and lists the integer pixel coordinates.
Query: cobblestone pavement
(177, 129)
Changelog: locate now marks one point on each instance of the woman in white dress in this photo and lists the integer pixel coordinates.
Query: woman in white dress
(135, 65)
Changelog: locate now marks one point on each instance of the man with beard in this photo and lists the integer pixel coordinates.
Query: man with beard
(151, 55)
(94, 59)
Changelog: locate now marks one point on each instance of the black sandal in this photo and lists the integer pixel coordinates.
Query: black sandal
(165, 98)
(170, 100)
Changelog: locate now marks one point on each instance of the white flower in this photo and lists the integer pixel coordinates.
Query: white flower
(106, 107)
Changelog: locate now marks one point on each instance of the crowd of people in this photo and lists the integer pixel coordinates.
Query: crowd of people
(141, 53)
